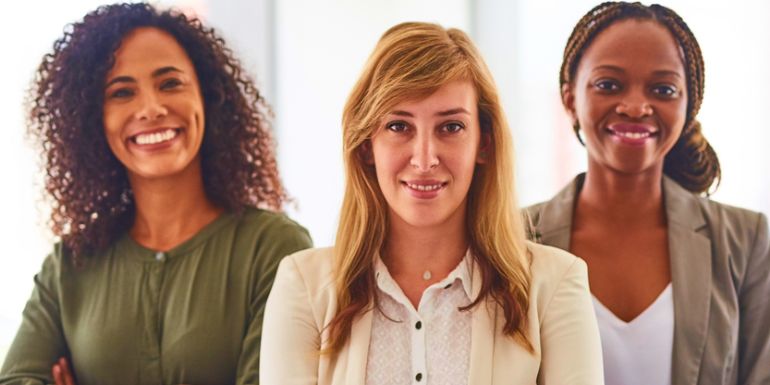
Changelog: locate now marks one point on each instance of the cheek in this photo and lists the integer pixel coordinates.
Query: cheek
(463, 159)
(674, 116)
(588, 110)
(386, 160)
(111, 121)
(386, 168)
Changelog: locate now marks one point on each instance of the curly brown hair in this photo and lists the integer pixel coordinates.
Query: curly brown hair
(89, 189)
(692, 162)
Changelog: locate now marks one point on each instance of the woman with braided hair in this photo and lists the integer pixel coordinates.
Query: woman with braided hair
(680, 282)
(166, 198)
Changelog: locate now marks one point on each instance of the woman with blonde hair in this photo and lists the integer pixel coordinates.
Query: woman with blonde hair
(431, 279)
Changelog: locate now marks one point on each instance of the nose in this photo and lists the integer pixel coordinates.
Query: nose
(151, 107)
(634, 105)
(424, 154)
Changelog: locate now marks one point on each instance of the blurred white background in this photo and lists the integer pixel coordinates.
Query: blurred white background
(307, 54)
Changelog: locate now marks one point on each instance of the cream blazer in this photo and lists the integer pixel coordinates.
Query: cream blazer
(562, 328)
(720, 274)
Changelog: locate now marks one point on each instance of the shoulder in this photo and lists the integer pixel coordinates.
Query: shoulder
(731, 218)
(304, 286)
(689, 209)
(276, 227)
(553, 270)
(532, 213)
(268, 221)
(549, 264)
(312, 267)
(555, 214)
(733, 231)
(532, 220)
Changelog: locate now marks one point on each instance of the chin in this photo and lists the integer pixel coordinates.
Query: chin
(423, 219)
(158, 171)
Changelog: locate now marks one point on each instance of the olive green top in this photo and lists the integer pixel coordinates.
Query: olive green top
(130, 315)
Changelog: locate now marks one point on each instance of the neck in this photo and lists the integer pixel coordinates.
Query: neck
(170, 210)
(621, 198)
(410, 251)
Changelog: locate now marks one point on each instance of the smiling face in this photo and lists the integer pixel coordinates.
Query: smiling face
(153, 108)
(424, 154)
(629, 96)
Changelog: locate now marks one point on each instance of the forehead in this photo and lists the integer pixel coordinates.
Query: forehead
(146, 49)
(456, 93)
(634, 44)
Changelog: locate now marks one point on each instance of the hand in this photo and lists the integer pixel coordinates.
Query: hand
(62, 375)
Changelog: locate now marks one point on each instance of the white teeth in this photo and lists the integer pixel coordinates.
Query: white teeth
(155, 137)
(633, 135)
(422, 187)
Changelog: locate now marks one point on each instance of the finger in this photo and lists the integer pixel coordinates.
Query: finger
(69, 379)
(56, 373)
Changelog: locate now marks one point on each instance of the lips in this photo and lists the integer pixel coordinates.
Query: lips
(632, 133)
(424, 188)
(155, 136)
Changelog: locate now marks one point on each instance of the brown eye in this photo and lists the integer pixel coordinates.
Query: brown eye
(607, 85)
(397, 126)
(170, 84)
(665, 90)
(121, 93)
(453, 127)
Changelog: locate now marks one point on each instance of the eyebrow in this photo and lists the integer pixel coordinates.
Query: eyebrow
(613, 68)
(451, 111)
(128, 79)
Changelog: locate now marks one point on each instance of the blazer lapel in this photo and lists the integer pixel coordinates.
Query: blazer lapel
(690, 259)
(483, 330)
(554, 222)
(690, 254)
(360, 334)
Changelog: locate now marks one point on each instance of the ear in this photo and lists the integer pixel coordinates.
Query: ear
(485, 148)
(365, 153)
(568, 101)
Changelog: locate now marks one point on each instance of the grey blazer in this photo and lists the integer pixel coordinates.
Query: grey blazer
(720, 272)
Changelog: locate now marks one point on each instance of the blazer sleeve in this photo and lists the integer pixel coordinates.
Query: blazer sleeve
(569, 339)
(291, 338)
(754, 336)
(40, 341)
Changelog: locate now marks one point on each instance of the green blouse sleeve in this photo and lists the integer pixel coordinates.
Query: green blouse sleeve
(280, 242)
(39, 341)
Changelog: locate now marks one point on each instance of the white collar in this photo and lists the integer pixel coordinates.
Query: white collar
(463, 272)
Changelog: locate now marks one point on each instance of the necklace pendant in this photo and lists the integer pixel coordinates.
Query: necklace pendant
(426, 275)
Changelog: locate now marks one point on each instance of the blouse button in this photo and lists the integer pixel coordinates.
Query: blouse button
(160, 256)
(418, 377)
(418, 326)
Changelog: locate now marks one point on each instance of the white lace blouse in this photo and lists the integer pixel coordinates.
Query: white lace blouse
(427, 345)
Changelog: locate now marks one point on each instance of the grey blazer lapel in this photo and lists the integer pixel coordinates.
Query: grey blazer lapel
(552, 220)
(690, 254)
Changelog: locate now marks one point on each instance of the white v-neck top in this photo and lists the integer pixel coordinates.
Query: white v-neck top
(638, 352)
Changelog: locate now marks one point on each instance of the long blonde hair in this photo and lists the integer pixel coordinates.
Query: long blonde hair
(411, 61)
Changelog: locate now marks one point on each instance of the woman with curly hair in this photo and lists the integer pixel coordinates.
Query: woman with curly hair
(680, 282)
(431, 279)
(160, 167)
